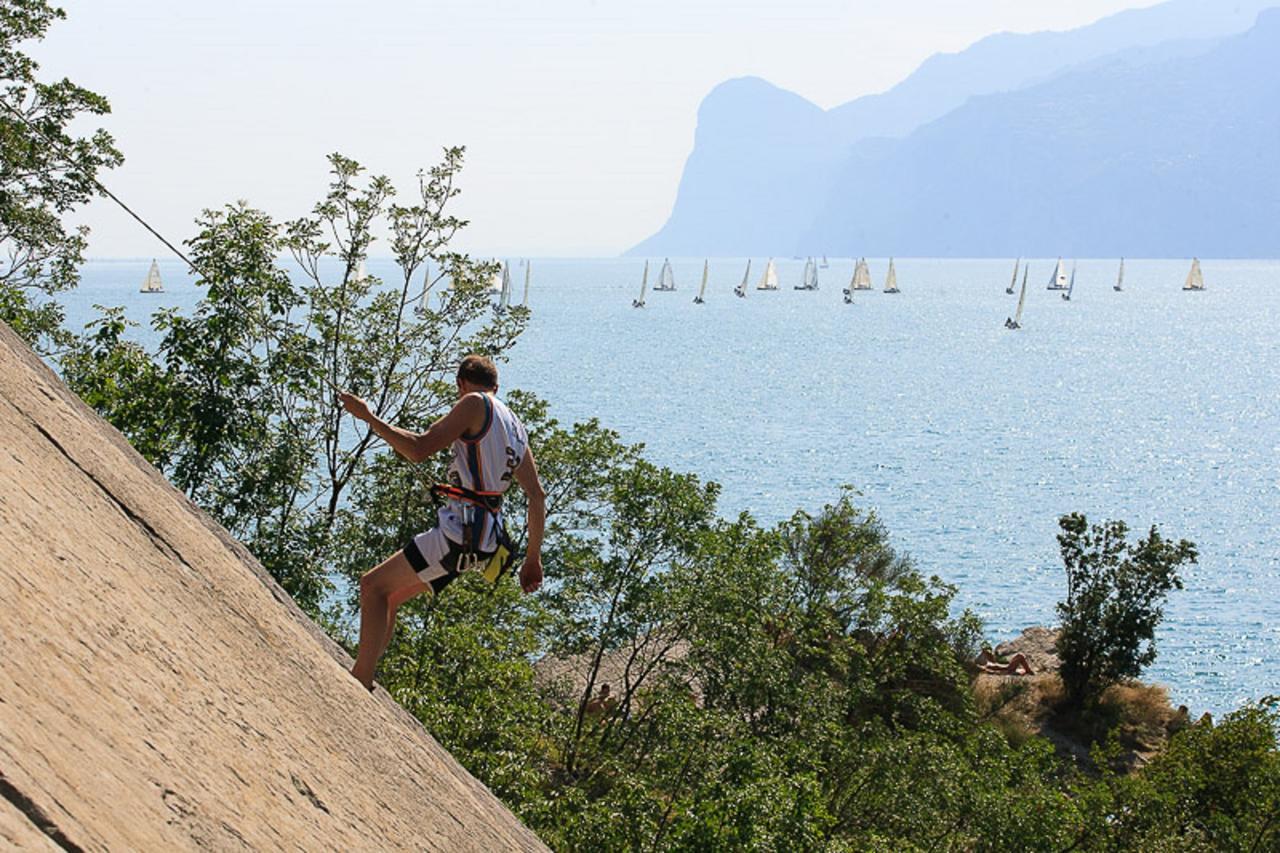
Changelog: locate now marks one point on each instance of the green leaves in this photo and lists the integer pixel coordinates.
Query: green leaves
(1115, 597)
(45, 172)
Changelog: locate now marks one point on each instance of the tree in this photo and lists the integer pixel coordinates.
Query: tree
(1115, 597)
(45, 172)
(237, 407)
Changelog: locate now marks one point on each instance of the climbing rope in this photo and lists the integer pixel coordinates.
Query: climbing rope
(58, 147)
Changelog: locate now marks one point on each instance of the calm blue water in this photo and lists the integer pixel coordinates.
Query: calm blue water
(1151, 405)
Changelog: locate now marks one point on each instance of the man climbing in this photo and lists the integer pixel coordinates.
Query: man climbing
(490, 448)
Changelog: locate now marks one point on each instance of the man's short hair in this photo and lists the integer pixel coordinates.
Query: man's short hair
(479, 370)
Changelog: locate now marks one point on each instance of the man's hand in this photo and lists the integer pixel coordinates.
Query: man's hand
(358, 408)
(531, 573)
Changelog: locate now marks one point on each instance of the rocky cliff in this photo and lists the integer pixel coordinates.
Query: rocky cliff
(158, 691)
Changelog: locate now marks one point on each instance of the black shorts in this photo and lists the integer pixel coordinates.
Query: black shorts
(435, 558)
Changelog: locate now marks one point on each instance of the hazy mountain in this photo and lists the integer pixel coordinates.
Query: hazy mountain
(1167, 159)
(764, 159)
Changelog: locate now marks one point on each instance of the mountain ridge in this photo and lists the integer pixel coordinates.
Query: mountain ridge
(764, 198)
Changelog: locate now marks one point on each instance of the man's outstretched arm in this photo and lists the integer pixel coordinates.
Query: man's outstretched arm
(527, 477)
(466, 416)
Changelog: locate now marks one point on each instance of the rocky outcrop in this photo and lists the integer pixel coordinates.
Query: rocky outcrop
(158, 691)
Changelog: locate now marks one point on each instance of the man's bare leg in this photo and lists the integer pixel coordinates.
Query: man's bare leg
(377, 613)
(397, 598)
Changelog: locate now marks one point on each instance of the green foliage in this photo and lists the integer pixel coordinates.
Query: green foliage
(236, 408)
(1215, 788)
(45, 172)
(1115, 598)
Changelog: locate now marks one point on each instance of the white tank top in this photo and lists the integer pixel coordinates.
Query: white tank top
(485, 463)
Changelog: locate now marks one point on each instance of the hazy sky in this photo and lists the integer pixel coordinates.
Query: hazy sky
(577, 114)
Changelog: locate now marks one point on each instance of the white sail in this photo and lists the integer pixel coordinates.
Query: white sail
(1058, 281)
(152, 283)
(1022, 300)
(666, 280)
(809, 279)
(504, 292)
(644, 284)
(1071, 287)
(423, 307)
(361, 272)
(824, 262)
(741, 289)
(528, 271)
(495, 280)
(1014, 281)
(891, 280)
(1195, 279)
(703, 289)
(861, 275)
(1120, 278)
(768, 279)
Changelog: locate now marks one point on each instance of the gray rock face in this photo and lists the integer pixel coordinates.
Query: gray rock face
(158, 691)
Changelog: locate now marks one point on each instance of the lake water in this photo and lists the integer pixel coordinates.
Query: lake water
(1151, 405)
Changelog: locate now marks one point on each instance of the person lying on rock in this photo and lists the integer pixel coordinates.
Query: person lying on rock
(490, 448)
(992, 664)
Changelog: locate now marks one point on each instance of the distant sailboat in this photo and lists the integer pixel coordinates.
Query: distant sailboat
(644, 284)
(824, 262)
(666, 280)
(741, 290)
(1014, 282)
(495, 280)
(697, 300)
(891, 280)
(422, 307)
(504, 291)
(769, 279)
(1195, 279)
(1058, 281)
(809, 278)
(1119, 285)
(152, 283)
(528, 271)
(1066, 297)
(1016, 321)
(861, 276)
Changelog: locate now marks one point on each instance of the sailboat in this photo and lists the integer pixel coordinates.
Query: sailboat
(152, 283)
(1014, 282)
(769, 279)
(422, 307)
(1119, 285)
(666, 281)
(891, 280)
(495, 280)
(1195, 279)
(504, 292)
(697, 300)
(361, 272)
(1066, 297)
(1058, 281)
(861, 276)
(741, 290)
(528, 271)
(644, 284)
(1016, 321)
(809, 279)
(824, 264)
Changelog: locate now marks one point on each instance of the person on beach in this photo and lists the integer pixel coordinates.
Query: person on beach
(490, 448)
(990, 663)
